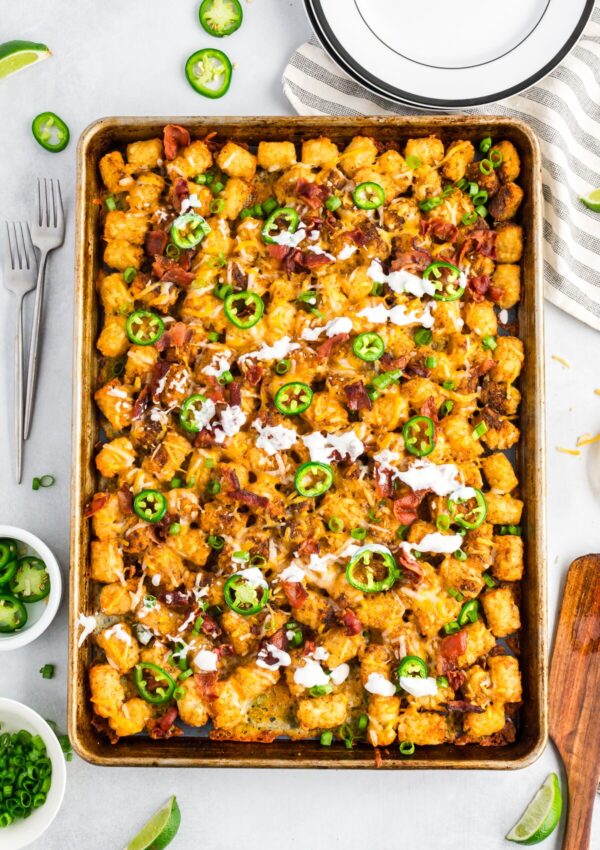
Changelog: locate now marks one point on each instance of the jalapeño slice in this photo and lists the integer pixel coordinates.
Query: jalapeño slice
(150, 505)
(368, 346)
(368, 196)
(30, 581)
(446, 277)
(8, 550)
(209, 72)
(412, 665)
(220, 17)
(312, 479)
(144, 327)
(13, 615)
(419, 436)
(293, 398)
(372, 570)
(244, 309)
(50, 131)
(468, 613)
(188, 230)
(284, 218)
(245, 596)
(7, 571)
(190, 417)
(468, 511)
(153, 683)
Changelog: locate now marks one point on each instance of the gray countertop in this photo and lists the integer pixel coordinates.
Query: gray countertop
(125, 57)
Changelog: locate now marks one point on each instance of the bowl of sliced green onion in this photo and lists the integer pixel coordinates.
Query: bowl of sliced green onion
(33, 775)
(30, 587)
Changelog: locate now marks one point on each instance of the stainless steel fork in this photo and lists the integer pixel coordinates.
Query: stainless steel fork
(48, 233)
(19, 271)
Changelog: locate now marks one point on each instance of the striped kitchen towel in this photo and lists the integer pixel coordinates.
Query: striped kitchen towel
(564, 112)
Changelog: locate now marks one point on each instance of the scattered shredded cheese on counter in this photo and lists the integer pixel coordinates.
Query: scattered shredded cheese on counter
(562, 361)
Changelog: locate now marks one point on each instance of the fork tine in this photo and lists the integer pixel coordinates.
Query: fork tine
(52, 192)
(60, 209)
(25, 253)
(16, 247)
(47, 207)
(39, 203)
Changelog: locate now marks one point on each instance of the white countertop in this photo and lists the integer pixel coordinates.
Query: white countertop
(125, 57)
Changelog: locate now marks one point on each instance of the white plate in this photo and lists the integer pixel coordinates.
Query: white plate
(448, 55)
(22, 832)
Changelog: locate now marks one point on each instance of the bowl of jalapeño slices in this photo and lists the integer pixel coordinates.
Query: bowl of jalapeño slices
(30, 587)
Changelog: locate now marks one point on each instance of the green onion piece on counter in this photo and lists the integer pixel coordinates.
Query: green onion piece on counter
(35, 484)
(47, 671)
(47, 481)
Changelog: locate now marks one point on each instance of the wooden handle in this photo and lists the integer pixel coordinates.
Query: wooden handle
(574, 689)
(582, 794)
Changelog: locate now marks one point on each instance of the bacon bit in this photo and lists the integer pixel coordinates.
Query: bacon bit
(97, 502)
(363, 234)
(384, 483)
(378, 758)
(391, 362)
(309, 647)
(324, 350)
(210, 627)
(478, 286)
(311, 260)
(177, 336)
(566, 365)
(496, 293)
(102, 727)
(125, 497)
(404, 517)
(247, 497)
(253, 373)
(574, 452)
(279, 252)
(441, 231)
(416, 260)
(308, 547)
(156, 242)
(452, 646)
(418, 367)
(166, 269)
(456, 678)
(296, 593)
(314, 195)
(179, 192)
(429, 408)
(479, 241)
(175, 136)
(161, 367)
(204, 439)
(235, 393)
(179, 598)
(491, 418)
(165, 728)
(225, 650)
(352, 623)
(358, 397)
(141, 404)
(410, 565)
(463, 707)
(278, 640)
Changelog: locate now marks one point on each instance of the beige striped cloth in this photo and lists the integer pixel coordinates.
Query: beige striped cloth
(563, 110)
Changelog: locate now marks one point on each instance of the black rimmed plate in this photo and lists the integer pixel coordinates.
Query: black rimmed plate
(448, 55)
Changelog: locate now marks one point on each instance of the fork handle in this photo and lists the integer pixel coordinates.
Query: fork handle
(34, 344)
(19, 393)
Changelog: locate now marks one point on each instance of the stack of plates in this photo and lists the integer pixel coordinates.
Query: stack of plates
(447, 55)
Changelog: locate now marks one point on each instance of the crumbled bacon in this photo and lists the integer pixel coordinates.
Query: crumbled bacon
(296, 593)
(175, 136)
(125, 497)
(429, 408)
(358, 397)
(414, 261)
(456, 678)
(103, 727)
(246, 497)
(179, 192)
(351, 621)
(97, 502)
(279, 639)
(404, 516)
(156, 242)
(384, 482)
(314, 195)
(279, 252)
(441, 231)
(141, 403)
(204, 439)
(496, 293)
(463, 707)
(253, 373)
(363, 234)
(391, 362)
(311, 260)
(235, 393)
(165, 728)
(166, 269)
(452, 646)
(405, 506)
(308, 547)
(178, 598)
(324, 350)
(177, 336)
(161, 367)
(478, 286)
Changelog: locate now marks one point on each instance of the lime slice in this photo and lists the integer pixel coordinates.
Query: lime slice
(592, 201)
(541, 815)
(16, 55)
(160, 830)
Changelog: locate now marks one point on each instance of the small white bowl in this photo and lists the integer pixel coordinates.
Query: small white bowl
(39, 614)
(23, 831)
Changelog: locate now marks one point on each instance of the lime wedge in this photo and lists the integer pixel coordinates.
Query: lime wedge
(160, 830)
(592, 201)
(16, 55)
(541, 815)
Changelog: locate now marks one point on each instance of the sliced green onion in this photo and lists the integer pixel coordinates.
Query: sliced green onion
(431, 362)
(460, 555)
(451, 628)
(129, 274)
(333, 203)
(377, 288)
(455, 594)
(480, 198)
(175, 483)
(489, 581)
(111, 204)
(486, 167)
(217, 187)
(481, 211)
(174, 529)
(270, 205)
(35, 484)
(442, 682)
(173, 251)
(47, 671)
(213, 336)
(510, 529)
(213, 487)
(326, 739)
(496, 157)
(407, 748)
(217, 206)
(469, 218)
(479, 431)
(442, 523)
(448, 385)
(283, 366)
(422, 336)
(335, 524)
(489, 343)
(200, 179)
(225, 378)
(363, 722)
(462, 183)
(413, 162)
(358, 533)
(401, 531)
(215, 542)
(473, 188)
(485, 144)
(446, 407)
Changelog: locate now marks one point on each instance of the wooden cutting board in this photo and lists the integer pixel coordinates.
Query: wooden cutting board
(575, 695)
